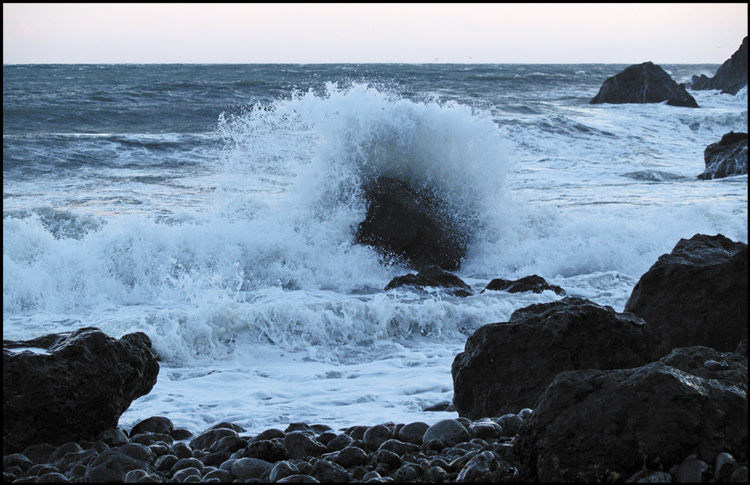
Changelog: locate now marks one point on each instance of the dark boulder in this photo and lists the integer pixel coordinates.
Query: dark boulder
(695, 295)
(726, 157)
(410, 224)
(730, 77)
(505, 367)
(643, 83)
(533, 283)
(432, 276)
(71, 386)
(595, 425)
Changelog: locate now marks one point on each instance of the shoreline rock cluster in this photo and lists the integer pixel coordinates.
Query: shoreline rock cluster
(449, 451)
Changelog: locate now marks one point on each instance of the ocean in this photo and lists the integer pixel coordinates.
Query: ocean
(214, 208)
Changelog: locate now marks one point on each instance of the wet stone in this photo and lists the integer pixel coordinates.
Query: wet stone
(181, 450)
(328, 472)
(17, 459)
(300, 445)
(339, 442)
(282, 469)
(166, 462)
(246, 468)
(39, 453)
(154, 424)
(351, 456)
(449, 431)
(53, 478)
(182, 474)
(413, 432)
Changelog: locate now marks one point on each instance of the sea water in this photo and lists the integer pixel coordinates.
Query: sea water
(214, 208)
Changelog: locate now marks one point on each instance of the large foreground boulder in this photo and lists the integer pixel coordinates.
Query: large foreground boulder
(410, 224)
(643, 83)
(695, 295)
(730, 77)
(726, 157)
(505, 367)
(594, 425)
(71, 386)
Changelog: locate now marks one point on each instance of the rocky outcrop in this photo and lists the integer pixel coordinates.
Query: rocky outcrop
(594, 425)
(726, 157)
(411, 225)
(432, 276)
(506, 366)
(730, 77)
(695, 295)
(643, 83)
(65, 387)
(533, 283)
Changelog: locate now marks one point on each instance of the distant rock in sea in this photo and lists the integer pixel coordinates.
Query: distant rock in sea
(726, 157)
(730, 77)
(432, 276)
(533, 283)
(643, 83)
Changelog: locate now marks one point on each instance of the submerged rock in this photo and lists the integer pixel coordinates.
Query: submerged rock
(643, 83)
(592, 424)
(506, 366)
(71, 386)
(532, 283)
(726, 157)
(730, 77)
(695, 295)
(432, 276)
(410, 224)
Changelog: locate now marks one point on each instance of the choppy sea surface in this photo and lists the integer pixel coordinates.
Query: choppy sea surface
(213, 207)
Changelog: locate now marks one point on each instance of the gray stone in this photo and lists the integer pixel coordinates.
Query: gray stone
(485, 467)
(413, 432)
(204, 440)
(113, 437)
(282, 469)
(300, 445)
(351, 456)
(510, 423)
(182, 474)
(398, 447)
(155, 424)
(376, 436)
(725, 466)
(298, 478)
(692, 470)
(449, 431)
(328, 472)
(246, 468)
(339, 442)
(650, 476)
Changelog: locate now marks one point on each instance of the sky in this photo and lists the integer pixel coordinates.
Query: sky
(671, 33)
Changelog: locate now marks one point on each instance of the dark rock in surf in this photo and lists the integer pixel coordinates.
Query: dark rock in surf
(432, 276)
(695, 295)
(730, 77)
(505, 367)
(726, 157)
(594, 425)
(410, 224)
(643, 83)
(533, 283)
(76, 385)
